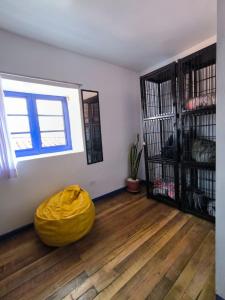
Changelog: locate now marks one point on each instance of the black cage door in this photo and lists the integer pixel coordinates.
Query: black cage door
(92, 126)
(163, 182)
(197, 81)
(159, 106)
(197, 90)
(159, 90)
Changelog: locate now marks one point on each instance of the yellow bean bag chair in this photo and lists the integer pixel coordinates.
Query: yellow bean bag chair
(65, 217)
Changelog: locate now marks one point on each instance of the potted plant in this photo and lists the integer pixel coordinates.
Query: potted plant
(133, 183)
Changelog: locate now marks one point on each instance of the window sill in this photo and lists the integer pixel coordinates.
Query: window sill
(25, 158)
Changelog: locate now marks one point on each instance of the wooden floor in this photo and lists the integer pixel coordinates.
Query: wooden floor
(138, 249)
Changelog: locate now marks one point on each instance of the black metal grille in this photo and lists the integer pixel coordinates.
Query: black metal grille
(93, 143)
(199, 190)
(198, 80)
(159, 92)
(159, 100)
(179, 113)
(162, 181)
(199, 137)
(161, 138)
(160, 133)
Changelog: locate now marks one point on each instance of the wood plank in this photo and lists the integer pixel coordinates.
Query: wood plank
(45, 264)
(121, 230)
(138, 249)
(114, 203)
(15, 240)
(106, 275)
(89, 295)
(136, 265)
(198, 261)
(204, 269)
(107, 226)
(21, 256)
(141, 228)
(34, 269)
(208, 291)
(143, 282)
(165, 284)
(45, 283)
(68, 288)
(110, 231)
(160, 290)
(163, 234)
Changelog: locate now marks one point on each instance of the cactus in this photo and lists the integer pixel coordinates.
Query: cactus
(134, 158)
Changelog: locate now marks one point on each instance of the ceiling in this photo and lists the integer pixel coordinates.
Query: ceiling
(135, 34)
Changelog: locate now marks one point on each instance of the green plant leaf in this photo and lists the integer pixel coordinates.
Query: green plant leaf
(134, 158)
(137, 163)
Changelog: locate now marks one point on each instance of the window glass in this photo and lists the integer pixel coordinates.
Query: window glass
(21, 141)
(18, 123)
(16, 106)
(49, 107)
(50, 139)
(51, 123)
(48, 118)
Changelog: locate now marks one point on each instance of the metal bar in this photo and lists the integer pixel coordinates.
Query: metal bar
(159, 117)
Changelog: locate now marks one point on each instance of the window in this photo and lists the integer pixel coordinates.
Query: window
(38, 124)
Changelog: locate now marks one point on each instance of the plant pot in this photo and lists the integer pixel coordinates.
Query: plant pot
(133, 185)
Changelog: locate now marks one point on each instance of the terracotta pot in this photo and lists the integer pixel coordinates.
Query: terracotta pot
(133, 185)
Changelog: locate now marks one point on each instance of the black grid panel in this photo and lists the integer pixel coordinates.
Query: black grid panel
(159, 100)
(162, 181)
(198, 189)
(199, 137)
(93, 143)
(92, 126)
(159, 92)
(160, 138)
(198, 80)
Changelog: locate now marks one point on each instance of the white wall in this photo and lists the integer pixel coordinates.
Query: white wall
(120, 110)
(220, 152)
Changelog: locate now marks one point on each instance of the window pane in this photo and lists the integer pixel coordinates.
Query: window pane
(48, 107)
(51, 123)
(18, 123)
(16, 106)
(21, 141)
(51, 139)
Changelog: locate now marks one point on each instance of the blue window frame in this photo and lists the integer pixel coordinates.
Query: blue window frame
(38, 123)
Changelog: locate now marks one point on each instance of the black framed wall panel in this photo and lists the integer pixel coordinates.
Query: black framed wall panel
(92, 126)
